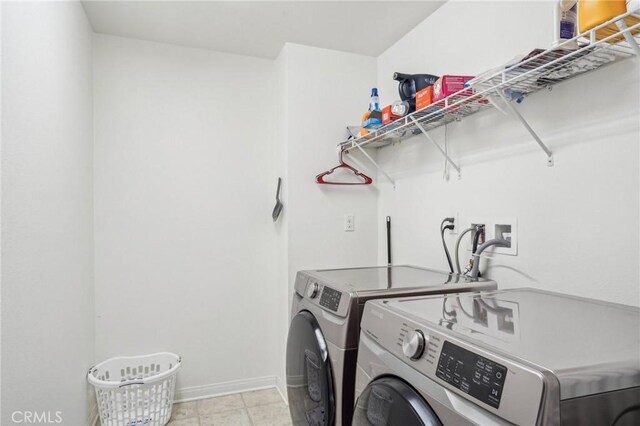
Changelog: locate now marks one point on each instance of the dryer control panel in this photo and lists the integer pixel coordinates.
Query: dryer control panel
(473, 374)
(501, 385)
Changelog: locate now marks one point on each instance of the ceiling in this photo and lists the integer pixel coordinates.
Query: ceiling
(260, 28)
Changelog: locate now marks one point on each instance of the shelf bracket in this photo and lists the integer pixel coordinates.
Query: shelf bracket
(532, 132)
(430, 139)
(366, 154)
(628, 36)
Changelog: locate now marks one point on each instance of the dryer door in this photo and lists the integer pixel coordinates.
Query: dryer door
(309, 379)
(390, 401)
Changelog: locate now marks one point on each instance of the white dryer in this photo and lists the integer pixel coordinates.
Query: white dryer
(323, 336)
(523, 357)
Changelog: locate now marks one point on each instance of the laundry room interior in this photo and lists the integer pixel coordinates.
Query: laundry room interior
(148, 279)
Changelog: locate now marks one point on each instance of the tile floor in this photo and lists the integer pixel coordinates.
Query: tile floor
(256, 408)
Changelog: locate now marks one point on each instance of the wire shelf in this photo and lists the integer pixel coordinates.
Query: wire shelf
(607, 43)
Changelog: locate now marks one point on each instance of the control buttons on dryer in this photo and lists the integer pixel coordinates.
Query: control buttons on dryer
(413, 344)
(312, 290)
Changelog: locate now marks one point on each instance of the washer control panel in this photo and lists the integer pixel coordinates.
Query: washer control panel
(413, 344)
(312, 290)
(473, 374)
(330, 298)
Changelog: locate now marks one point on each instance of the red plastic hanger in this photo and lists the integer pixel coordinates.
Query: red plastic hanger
(366, 179)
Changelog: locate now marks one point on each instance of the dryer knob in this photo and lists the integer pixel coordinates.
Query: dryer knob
(312, 291)
(413, 344)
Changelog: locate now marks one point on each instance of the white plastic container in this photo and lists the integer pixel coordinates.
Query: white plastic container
(135, 390)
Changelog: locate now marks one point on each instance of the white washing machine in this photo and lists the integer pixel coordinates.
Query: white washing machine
(523, 357)
(323, 336)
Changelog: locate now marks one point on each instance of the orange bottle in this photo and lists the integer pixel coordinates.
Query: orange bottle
(592, 13)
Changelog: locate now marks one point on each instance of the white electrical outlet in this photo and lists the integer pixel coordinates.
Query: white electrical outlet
(456, 223)
(349, 223)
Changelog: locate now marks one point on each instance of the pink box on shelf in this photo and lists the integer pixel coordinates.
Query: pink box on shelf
(450, 84)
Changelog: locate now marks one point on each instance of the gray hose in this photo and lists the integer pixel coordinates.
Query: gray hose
(476, 256)
(462, 234)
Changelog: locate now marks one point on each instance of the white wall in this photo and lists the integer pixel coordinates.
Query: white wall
(185, 179)
(47, 229)
(1, 55)
(281, 226)
(324, 91)
(577, 221)
(188, 146)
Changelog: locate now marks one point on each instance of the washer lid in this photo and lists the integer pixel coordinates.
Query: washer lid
(591, 346)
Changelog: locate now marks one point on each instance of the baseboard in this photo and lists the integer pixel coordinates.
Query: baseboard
(218, 389)
(281, 386)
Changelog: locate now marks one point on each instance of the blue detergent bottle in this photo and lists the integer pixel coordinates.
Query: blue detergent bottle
(374, 103)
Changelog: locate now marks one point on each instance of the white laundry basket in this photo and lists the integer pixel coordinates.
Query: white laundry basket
(135, 390)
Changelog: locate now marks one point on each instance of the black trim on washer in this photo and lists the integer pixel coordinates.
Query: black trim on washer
(390, 401)
(309, 373)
